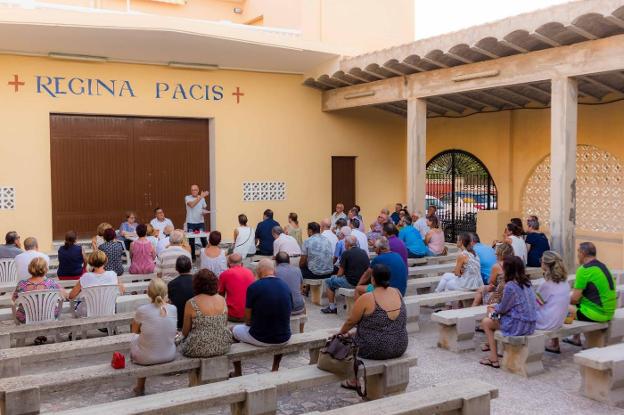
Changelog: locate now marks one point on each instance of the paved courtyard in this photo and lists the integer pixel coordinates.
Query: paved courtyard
(552, 393)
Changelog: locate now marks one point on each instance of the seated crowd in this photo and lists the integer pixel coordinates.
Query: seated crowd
(194, 309)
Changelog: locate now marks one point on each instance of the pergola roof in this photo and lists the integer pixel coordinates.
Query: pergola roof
(553, 27)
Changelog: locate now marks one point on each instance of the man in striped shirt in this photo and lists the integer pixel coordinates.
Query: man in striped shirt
(166, 260)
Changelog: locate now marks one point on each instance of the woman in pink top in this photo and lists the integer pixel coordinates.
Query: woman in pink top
(142, 253)
(434, 238)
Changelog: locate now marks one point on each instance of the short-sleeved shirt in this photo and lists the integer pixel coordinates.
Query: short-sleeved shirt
(413, 241)
(335, 216)
(270, 302)
(166, 261)
(598, 286)
(361, 238)
(320, 256)
(9, 251)
(339, 250)
(395, 217)
(539, 245)
(91, 279)
(114, 251)
(354, 262)
(234, 283)
(286, 243)
(70, 260)
(398, 269)
(264, 233)
(180, 290)
(331, 237)
(487, 258)
(293, 278)
(22, 261)
(194, 214)
(397, 245)
(160, 226)
(422, 227)
(156, 342)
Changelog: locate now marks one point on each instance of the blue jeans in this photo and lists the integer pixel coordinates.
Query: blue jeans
(190, 227)
(334, 282)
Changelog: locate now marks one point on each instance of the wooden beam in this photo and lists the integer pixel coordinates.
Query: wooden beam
(412, 66)
(588, 94)
(597, 56)
(563, 126)
(513, 46)
(582, 32)
(500, 99)
(615, 20)
(450, 103)
(435, 62)
(485, 52)
(523, 96)
(375, 74)
(459, 58)
(477, 101)
(394, 71)
(545, 39)
(441, 108)
(416, 153)
(536, 89)
(359, 78)
(448, 98)
(601, 84)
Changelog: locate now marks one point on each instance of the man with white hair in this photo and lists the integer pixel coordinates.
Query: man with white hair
(285, 243)
(361, 236)
(267, 312)
(328, 233)
(340, 246)
(338, 214)
(353, 265)
(166, 260)
(31, 252)
(420, 223)
(163, 242)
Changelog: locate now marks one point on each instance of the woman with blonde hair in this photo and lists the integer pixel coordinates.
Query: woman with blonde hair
(98, 239)
(493, 292)
(553, 297)
(155, 326)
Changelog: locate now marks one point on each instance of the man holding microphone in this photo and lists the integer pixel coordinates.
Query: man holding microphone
(195, 211)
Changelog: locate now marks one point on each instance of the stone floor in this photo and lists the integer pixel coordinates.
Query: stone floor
(552, 393)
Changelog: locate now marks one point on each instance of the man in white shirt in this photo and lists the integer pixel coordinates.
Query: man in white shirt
(195, 210)
(166, 260)
(327, 232)
(164, 242)
(420, 223)
(339, 213)
(31, 252)
(160, 222)
(284, 243)
(354, 224)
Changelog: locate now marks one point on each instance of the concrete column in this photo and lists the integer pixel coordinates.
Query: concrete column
(416, 153)
(563, 126)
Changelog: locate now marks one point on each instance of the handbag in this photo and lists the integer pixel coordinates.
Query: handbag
(339, 356)
(118, 361)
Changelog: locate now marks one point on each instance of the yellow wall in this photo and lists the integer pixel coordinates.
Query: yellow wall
(512, 143)
(277, 132)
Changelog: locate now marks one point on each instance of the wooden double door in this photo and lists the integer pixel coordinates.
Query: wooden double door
(103, 166)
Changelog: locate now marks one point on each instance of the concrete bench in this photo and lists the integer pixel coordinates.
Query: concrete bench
(467, 397)
(602, 373)
(254, 394)
(522, 355)
(316, 290)
(437, 269)
(456, 328)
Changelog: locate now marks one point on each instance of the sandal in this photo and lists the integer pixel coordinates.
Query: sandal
(571, 341)
(485, 347)
(487, 362)
(347, 385)
(553, 350)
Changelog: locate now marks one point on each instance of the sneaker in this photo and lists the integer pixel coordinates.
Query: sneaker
(329, 310)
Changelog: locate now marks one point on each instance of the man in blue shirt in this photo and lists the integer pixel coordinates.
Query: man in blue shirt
(394, 262)
(413, 241)
(395, 215)
(268, 306)
(264, 234)
(487, 257)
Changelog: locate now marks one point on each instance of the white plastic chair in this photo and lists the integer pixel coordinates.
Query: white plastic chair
(8, 271)
(100, 300)
(39, 306)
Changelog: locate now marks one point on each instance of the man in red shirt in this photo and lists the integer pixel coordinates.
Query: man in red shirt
(233, 285)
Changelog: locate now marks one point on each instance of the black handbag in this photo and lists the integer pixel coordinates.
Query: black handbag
(339, 356)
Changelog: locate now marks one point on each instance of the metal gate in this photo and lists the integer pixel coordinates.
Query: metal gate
(459, 185)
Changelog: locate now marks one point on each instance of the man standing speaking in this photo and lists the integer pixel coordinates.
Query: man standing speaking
(195, 211)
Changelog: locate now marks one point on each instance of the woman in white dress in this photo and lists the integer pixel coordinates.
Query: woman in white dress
(155, 328)
(467, 273)
(212, 257)
(513, 236)
(244, 239)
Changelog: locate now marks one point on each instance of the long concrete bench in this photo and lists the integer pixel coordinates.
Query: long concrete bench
(522, 355)
(467, 397)
(456, 328)
(252, 394)
(602, 373)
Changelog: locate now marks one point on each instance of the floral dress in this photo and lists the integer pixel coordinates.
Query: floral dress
(518, 310)
(26, 286)
(209, 335)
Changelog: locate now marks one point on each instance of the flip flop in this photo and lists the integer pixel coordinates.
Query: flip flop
(551, 350)
(572, 342)
(345, 384)
(487, 362)
(485, 347)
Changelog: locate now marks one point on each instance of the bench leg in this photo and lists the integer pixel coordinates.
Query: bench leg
(20, 342)
(260, 400)
(525, 359)
(476, 405)
(595, 339)
(5, 341)
(10, 367)
(213, 369)
(314, 355)
(615, 332)
(459, 337)
(604, 385)
(349, 301)
(393, 380)
(21, 401)
(315, 293)
(413, 316)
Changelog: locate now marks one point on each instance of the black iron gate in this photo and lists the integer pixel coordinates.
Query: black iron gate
(460, 185)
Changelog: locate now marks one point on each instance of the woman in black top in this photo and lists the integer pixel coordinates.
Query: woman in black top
(71, 259)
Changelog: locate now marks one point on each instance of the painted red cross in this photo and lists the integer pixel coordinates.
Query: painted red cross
(16, 83)
(238, 94)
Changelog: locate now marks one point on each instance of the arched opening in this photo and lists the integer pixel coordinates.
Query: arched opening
(459, 185)
(599, 191)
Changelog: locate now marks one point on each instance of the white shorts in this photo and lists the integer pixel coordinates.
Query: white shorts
(241, 333)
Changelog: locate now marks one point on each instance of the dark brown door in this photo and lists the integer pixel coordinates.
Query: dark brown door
(103, 166)
(343, 181)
